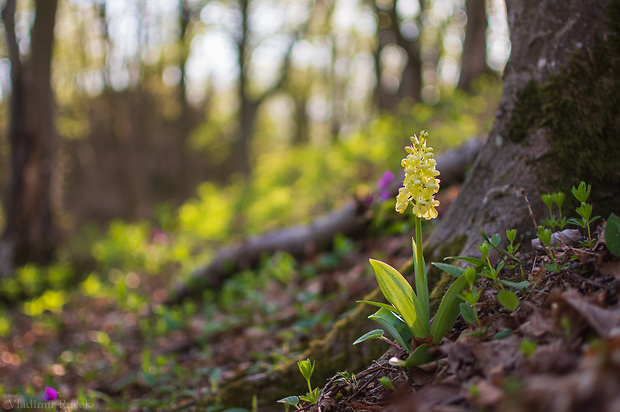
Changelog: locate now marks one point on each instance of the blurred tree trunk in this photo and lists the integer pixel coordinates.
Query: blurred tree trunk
(248, 106)
(186, 120)
(389, 32)
(29, 234)
(473, 60)
(249, 103)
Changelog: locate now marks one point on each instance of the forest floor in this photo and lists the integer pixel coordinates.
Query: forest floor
(558, 351)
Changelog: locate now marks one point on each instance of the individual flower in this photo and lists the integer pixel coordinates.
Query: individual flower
(420, 183)
(384, 185)
(50, 394)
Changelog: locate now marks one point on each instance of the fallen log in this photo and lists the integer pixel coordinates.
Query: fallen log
(349, 220)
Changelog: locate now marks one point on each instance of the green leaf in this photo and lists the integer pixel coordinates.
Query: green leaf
(474, 261)
(508, 299)
(450, 269)
(394, 326)
(375, 333)
(418, 357)
(471, 275)
(399, 293)
(495, 239)
(448, 309)
(511, 234)
(387, 383)
(380, 305)
(306, 368)
(484, 236)
(547, 199)
(502, 334)
(612, 235)
(291, 400)
(468, 313)
(516, 285)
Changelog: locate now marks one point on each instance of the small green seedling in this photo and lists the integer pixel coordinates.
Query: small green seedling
(483, 266)
(387, 383)
(544, 235)
(471, 296)
(549, 199)
(581, 193)
(527, 347)
(306, 368)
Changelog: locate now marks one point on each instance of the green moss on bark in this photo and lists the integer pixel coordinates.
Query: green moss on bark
(526, 113)
(579, 110)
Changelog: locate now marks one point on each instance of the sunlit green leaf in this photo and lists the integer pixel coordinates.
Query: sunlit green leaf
(399, 293)
(375, 333)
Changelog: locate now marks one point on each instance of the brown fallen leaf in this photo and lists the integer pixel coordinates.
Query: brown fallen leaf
(605, 322)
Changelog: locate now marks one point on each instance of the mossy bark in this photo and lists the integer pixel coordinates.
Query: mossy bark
(558, 123)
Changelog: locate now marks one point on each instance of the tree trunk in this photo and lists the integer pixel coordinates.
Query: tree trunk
(29, 233)
(556, 125)
(473, 61)
(389, 32)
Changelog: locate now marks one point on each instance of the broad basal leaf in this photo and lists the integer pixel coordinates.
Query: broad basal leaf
(448, 309)
(399, 293)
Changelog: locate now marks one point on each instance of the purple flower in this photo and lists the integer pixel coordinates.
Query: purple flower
(384, 183)
(50, 394)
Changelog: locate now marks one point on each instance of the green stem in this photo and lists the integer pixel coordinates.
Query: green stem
(557, 269)
(421, 283)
